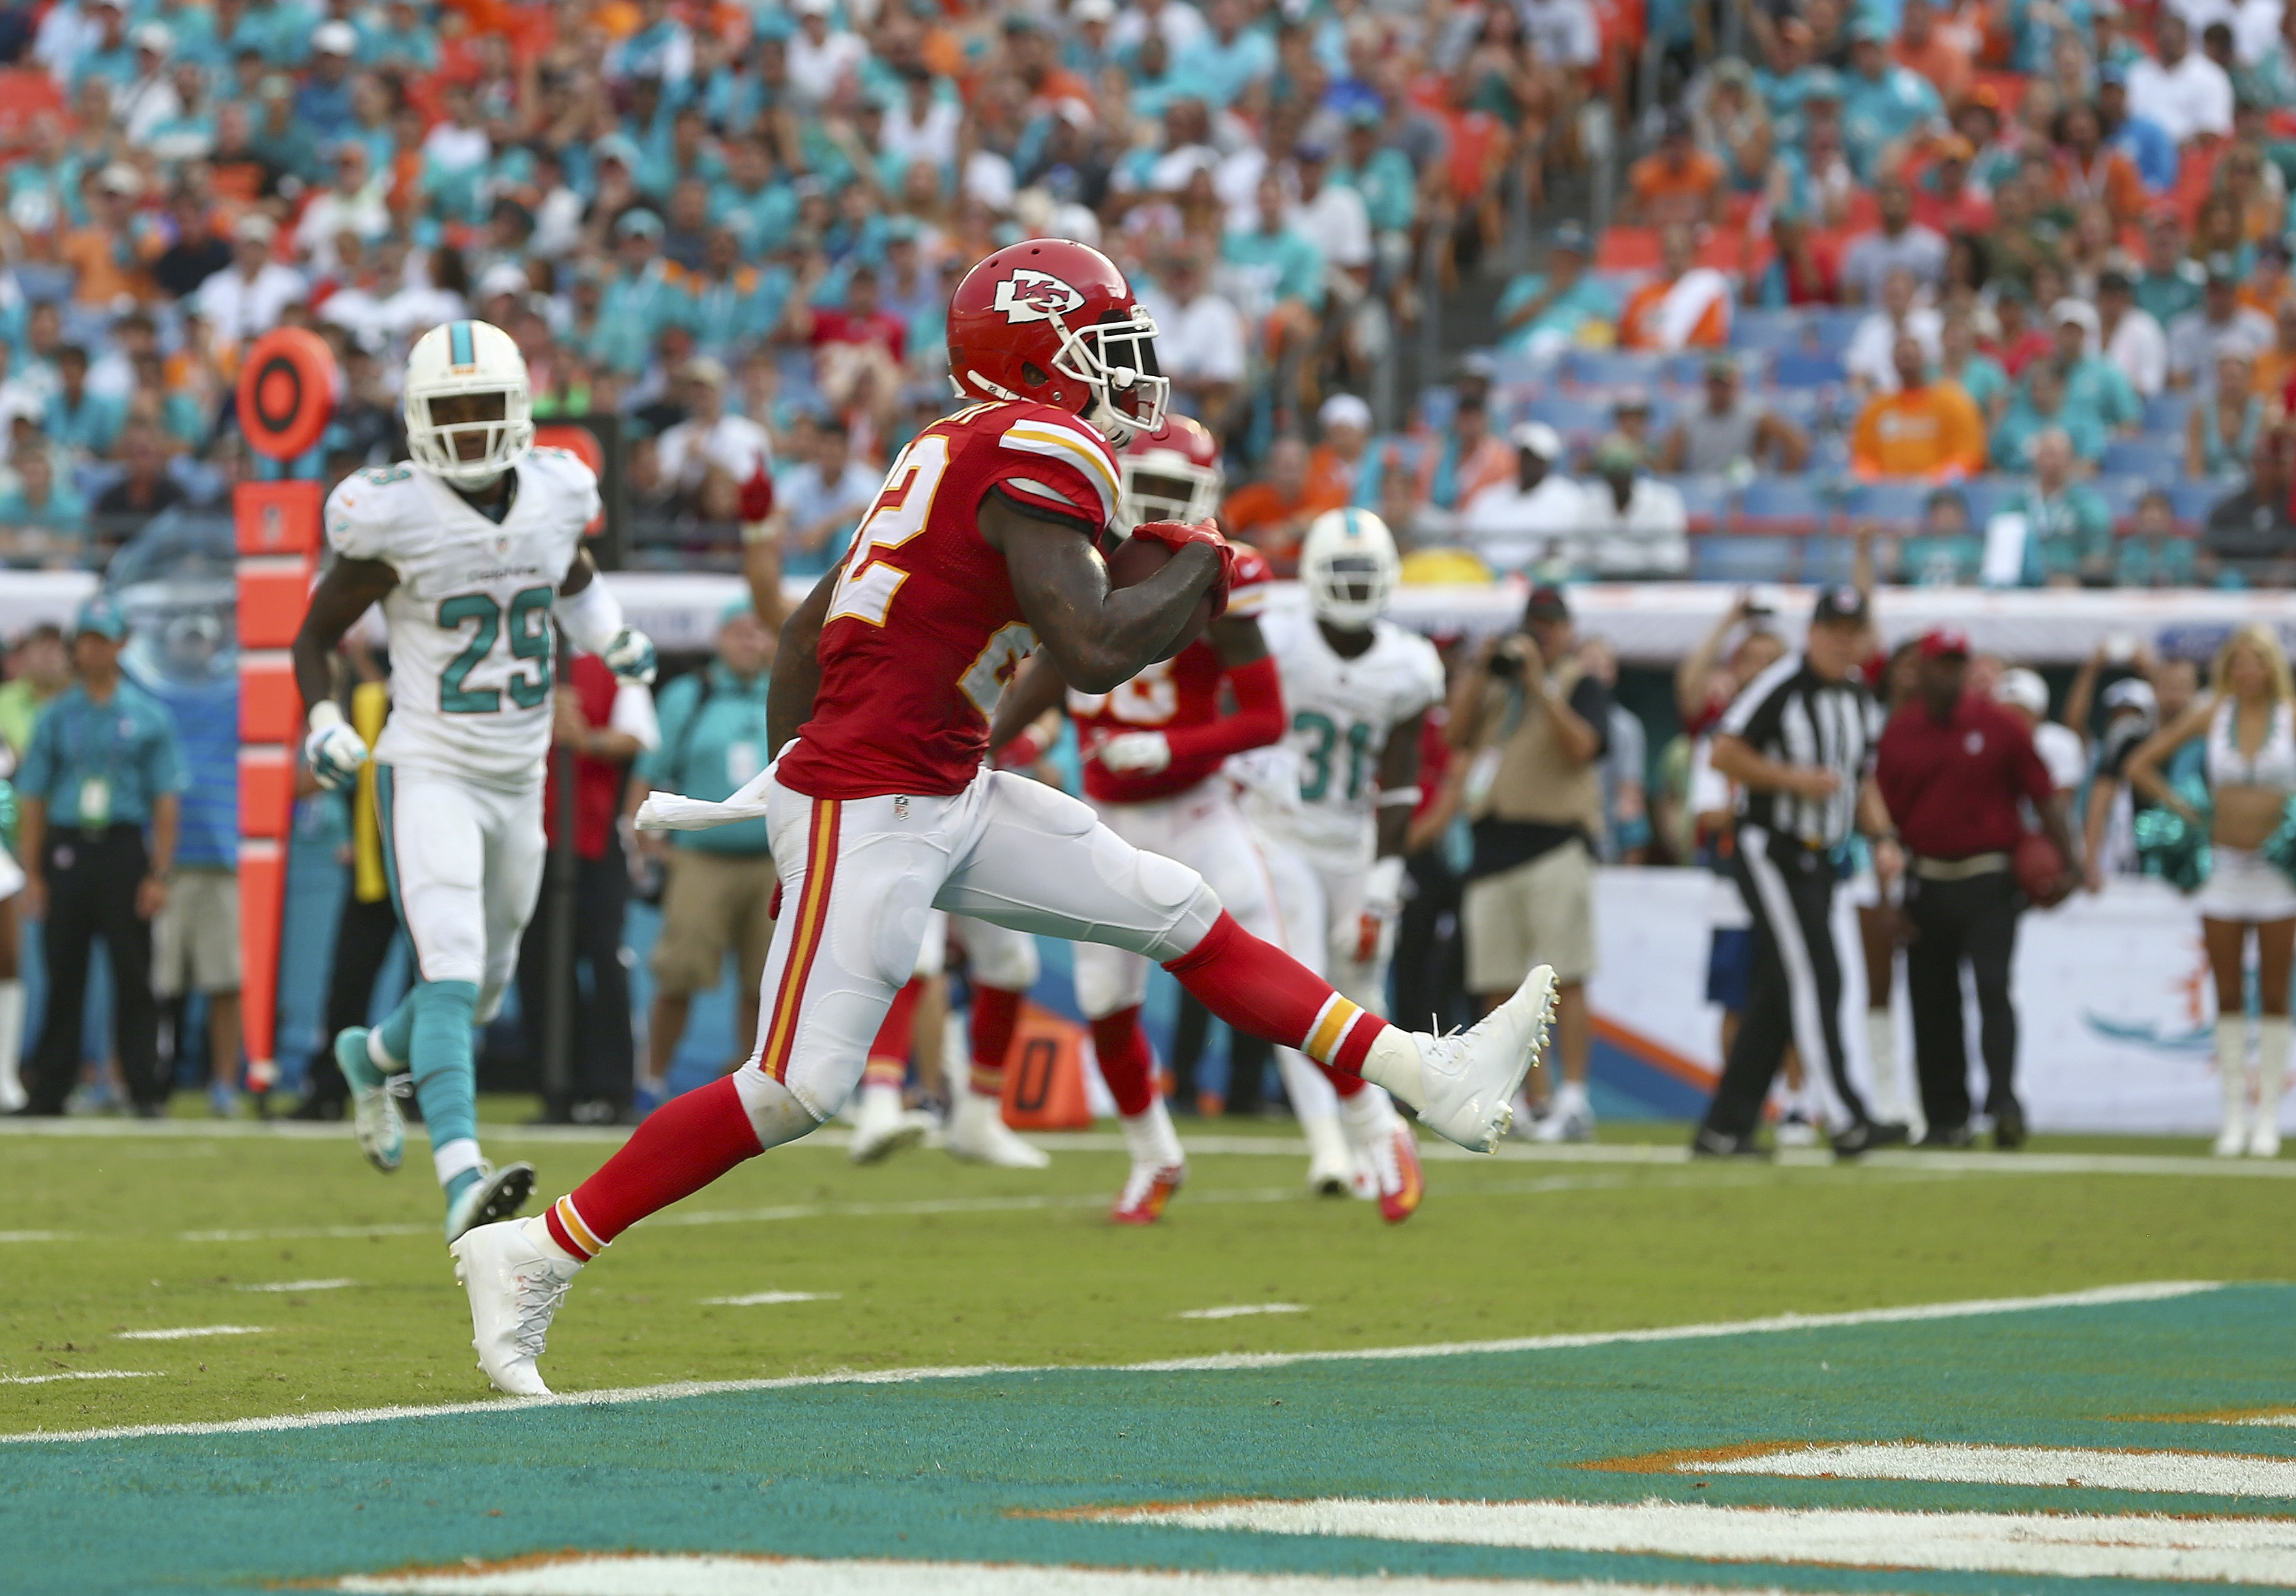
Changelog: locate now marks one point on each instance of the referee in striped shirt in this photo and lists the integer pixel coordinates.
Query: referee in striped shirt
(1798, 742)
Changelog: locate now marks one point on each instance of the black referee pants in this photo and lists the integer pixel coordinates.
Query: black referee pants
(1795, 994)
(92, 879)
(1973, 920)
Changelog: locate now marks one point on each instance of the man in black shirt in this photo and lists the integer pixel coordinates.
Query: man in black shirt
(199, 252)
(122, 509)
(2250, 534)
(1798, 744)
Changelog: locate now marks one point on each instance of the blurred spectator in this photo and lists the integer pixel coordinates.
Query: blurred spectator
(2132, 339)
(709, 456)
(1885, 107)
(196, 252)
(2225, 421)
(1631, 524)
(1936, 53)
(1202, 345)
(246, 297)
(1730, 431)
(1898, 241)
(1677, 181)
(2063, 750)
(1945, 201)
(1533, 519)
(82, 424)
(2220, 326)
(111, 255)
(2092, 383)
(2039, 406)
(2184, 94)
(1924, 430)
(2142, 140)
(144, 491)
(1688, 307)
(1335, 467)
(1467, 460)
(2068, 527)
(1869, 361)
(820, 500)
(2276, 368)
(2017, 343)
(2156, 553)
(1624, 768)
(43, 522)
(351, 202)
(1271, 514)
(1980, 374)
(1544, 313)
(1280, 268)
(2089, 169)
(39, 668)
(2249, 540)
(1799, 274)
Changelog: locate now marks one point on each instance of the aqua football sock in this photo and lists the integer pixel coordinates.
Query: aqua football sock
(445, 1080)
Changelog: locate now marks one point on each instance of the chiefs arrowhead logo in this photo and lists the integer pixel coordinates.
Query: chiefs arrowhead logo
(1028, 296)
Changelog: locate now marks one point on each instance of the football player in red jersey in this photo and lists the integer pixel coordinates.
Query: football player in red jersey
(981, 548)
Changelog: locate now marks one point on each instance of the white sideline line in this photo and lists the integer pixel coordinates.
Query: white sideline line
(1243, 1311)
(188, 1331)
(301, 1286)
(35, 1236)
(657, 1574)
(2144, 1291)
(2078, 1545)
(80, 1374)
(2193, 1473)
(768, 1299)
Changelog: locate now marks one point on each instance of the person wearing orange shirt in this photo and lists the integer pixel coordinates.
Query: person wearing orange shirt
(1335, 465)
(1928, 430)
(1679, 182)
(1271, 514)
(1687, 308)
(2087, 169)
(112, 262)
(1930, 50)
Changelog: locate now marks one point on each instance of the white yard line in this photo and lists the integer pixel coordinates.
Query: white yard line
(190, 1332)
(1243, 1310)
(300, 1286)
(655, 1573)
(2198, 1473)
(80, 1374)
(769, 1299)
(2098, 1296)
(2074, 1545)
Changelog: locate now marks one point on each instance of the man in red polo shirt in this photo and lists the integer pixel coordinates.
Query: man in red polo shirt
(1953, 769)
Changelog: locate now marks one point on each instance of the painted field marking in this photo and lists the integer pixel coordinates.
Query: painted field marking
(188, 1331)
(2073, 1545)
(301, 1286)
(35, 1236)
(654, 1574)
(80, 1374)
(2147, 1291)
(766, 1299)
(2196, 1473)
(1243, 1311)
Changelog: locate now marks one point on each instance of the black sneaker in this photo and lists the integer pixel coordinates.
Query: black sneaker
(1950, 1137)
(1721, 1144)
(1866, 1136)
(2008, 1126)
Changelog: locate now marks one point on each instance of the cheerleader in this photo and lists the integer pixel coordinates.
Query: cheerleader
(2248, 718)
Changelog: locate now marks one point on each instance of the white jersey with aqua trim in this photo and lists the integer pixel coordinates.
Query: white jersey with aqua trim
(470, 621)
(1341, 714)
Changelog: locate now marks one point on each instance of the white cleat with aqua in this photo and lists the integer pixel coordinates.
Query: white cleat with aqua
(1470, 1079)
(514, 1289)
(376, 1117)
(497, 1194)
(978, 1134)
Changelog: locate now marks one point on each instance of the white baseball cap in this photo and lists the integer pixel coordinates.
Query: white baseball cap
(335, 38)
(2024, 689)
(1345, 410)
(1538, 438)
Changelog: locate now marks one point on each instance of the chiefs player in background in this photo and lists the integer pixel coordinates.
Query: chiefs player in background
(979, 549)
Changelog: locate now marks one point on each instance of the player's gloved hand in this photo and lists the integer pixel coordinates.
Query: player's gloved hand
(1383, 907)
(630, 656)
(1177, 535)
(1145, 752)
(332, 750)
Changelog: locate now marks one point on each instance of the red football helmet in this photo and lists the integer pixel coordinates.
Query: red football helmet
(1053, 321)
(1172, 473)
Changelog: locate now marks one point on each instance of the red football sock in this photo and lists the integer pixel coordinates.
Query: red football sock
(1126, 1062)
(681, 1146)
(1258, 988)
(995, 1015)
(889, 1053)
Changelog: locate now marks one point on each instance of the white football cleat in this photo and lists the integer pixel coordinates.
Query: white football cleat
(2264, 1139)
(882, 1127)
(2232, 1141)
(1331, 1164)
(376, 1119)
(497, 1194)
(514, 1289)
(978, 1134)
(1568, 1121)
(1470, 1079)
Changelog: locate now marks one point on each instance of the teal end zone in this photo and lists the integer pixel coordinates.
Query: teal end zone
(959, 1469)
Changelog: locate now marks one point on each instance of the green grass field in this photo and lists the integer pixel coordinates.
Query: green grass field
(106, 1232)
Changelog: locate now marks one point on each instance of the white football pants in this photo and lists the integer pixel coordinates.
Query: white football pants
(466, 863)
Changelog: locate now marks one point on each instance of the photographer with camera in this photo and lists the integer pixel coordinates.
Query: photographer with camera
(1530, 727)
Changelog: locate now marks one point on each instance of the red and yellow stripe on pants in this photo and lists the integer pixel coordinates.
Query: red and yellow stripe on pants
(810, 919)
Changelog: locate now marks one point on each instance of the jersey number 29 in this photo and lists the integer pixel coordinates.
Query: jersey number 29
(530, 639)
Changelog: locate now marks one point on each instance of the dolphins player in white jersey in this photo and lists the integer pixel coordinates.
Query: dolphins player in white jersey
(1331, 808)
(471, 547)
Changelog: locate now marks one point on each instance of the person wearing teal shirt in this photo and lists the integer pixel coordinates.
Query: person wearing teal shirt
(1545, 310)
(398, 39)
(2092, 382)
(748, 199)
(40, 503)
(1285, 266)
(644, 297)
(720, 887)
(2068, 527)
(2039, 406)
(728, 303)
(104, 767)
(1881, 101)
(1228, 59)
(1380, 173)
(79, 420)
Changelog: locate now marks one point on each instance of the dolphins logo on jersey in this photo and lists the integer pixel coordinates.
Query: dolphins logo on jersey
(1028, 296)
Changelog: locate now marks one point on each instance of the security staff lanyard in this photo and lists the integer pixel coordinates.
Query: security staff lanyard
(95, 791)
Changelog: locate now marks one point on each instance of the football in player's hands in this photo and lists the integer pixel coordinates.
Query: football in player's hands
(1144, 554)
